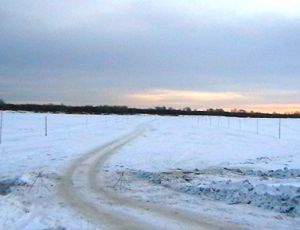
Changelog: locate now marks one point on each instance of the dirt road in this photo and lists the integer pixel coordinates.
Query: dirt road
(83, 189)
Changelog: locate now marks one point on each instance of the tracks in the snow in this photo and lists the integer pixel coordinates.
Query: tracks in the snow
(82, 187)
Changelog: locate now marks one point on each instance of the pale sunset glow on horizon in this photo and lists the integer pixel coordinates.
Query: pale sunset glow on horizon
(181, 99)
(167, 95)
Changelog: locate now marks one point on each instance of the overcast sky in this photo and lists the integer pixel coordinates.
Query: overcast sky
(198, 53)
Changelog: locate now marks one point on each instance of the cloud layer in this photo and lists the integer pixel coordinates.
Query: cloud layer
(87, 52)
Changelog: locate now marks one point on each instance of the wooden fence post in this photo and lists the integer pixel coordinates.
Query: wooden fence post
(46, 126)
(279, 128)
(1, 123)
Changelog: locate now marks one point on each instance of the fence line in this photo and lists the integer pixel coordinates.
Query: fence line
(270, 127)
(277, 128)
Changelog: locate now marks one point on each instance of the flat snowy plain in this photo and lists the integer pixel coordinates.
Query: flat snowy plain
(148, 172)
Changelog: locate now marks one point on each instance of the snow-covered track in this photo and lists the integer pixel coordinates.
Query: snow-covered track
(82, 187)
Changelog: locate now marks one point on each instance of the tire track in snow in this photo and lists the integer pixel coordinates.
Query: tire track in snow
(83, 188)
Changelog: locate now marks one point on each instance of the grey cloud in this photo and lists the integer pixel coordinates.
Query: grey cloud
(145, 47)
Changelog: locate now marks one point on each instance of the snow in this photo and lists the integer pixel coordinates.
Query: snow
(26, 151)
(260, 159)
(185, 142)
(170, 144)
(25, 146)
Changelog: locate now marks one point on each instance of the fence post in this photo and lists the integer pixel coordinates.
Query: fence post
(279, 128)
(1, 122)
(46, 126)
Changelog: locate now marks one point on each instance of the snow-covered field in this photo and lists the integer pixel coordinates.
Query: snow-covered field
(234, 171)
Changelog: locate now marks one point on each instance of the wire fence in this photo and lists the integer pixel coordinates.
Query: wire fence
(15, 125)
(18, 125)
(281, 128)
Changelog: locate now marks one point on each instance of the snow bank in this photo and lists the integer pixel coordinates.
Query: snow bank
(279, 198)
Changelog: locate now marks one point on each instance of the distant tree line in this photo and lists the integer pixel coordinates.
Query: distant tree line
(124, 110)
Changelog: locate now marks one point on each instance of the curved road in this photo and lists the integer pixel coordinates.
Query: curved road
(83, 189)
